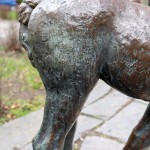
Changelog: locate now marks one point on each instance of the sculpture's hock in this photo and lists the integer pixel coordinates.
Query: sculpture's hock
(73, 44)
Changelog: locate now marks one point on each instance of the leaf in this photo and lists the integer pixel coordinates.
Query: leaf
(14, 106)
(10, 116)
(6, 108)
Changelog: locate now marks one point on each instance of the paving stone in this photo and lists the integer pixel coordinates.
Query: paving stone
(19, 132)
(99, 90)
(141, 101)
(108, 106)
(122, 124)
(99, 143)
(84, 124)
(27, 147)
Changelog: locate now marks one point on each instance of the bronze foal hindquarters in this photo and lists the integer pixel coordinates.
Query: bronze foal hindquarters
(73, 44)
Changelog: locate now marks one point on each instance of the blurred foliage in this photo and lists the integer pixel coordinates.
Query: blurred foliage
(1, 48)
(21, 69)
(11, 15)
(15, 108)
(17, 66)
(19, 81)
(19, 1)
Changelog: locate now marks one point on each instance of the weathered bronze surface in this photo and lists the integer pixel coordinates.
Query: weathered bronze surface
(72, 44)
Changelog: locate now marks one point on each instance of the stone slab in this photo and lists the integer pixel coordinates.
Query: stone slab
(27, 147)
(122, 124)
(84, 124)
(141, 101)
(99, 143)
(19, 132)
(108, 106)
(99, 91)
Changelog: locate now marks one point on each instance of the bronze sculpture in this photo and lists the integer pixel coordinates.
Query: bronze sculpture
(72, 44)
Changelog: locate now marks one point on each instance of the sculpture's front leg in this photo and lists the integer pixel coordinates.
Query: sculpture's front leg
(140, 137)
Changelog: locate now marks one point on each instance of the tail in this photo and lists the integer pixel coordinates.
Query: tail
(25, 41)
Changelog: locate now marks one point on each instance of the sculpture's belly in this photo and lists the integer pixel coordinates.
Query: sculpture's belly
(127, 69)
(127, 66)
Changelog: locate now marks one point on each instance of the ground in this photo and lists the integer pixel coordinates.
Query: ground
(21, 89)
(105, 122)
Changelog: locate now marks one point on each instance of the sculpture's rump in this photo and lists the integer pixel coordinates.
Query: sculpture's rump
(68, 50)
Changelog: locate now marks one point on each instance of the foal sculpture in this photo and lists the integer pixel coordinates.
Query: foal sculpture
(73, 44)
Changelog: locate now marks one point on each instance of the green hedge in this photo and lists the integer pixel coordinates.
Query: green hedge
(19, 1)
(12, 15)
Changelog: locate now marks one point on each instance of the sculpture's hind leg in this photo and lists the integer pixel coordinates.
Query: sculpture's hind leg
(140, 136)
(68, 145)
(63, 106)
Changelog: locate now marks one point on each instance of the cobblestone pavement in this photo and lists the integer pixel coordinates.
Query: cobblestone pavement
(105, 123)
